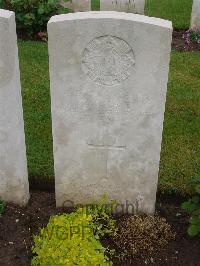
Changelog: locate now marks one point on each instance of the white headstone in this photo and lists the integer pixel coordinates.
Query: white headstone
(13, 166)
(108, 73)
(130, 6)
(77, 5)
(195, 19)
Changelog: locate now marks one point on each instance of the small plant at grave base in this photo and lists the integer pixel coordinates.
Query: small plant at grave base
(102, 223)
(2, 207)
(192, 206)
(191, 36)
(72, 239)
(141, 236)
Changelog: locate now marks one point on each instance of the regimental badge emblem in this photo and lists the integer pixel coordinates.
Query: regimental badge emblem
(108, 60)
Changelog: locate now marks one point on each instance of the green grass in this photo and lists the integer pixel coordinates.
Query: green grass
(181, 143)
(36, 101)
(178, 11)
(180, 157)
(95, 5)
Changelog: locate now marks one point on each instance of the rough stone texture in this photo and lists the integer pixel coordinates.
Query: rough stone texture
(108, 73)
(130, 6)
(77, 5)
(195, 19)
(13, 166)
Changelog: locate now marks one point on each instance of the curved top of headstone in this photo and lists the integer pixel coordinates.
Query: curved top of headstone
(112, 15)
(6, 13)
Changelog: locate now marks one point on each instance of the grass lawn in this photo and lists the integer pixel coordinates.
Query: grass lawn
(181, 143)
(36, 101)
(178, 11)
(180, 156)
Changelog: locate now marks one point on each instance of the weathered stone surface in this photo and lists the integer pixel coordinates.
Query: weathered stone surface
(130, 6)
(77, 5)
(13, 167)
(108, 73)
(195, 18)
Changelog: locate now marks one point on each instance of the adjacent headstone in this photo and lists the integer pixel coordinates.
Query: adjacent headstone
(195, 19)
(108, 73)
(130, 6)
(13, 166)
(77, 5)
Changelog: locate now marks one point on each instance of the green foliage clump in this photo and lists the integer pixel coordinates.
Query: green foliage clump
(192, 206)
(2, 207)
(101, 212)
(191, 36)
(32, 15)
(73, 239)
(195, 36)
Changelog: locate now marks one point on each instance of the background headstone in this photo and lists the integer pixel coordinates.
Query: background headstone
(195, 18)
(108, 74)
(13, 166)
(77, 5)
(130, 6)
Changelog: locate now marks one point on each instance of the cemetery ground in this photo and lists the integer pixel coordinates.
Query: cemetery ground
(18, 225)
(179, 160)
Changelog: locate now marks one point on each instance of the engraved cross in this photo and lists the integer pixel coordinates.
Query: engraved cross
(107, 148)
